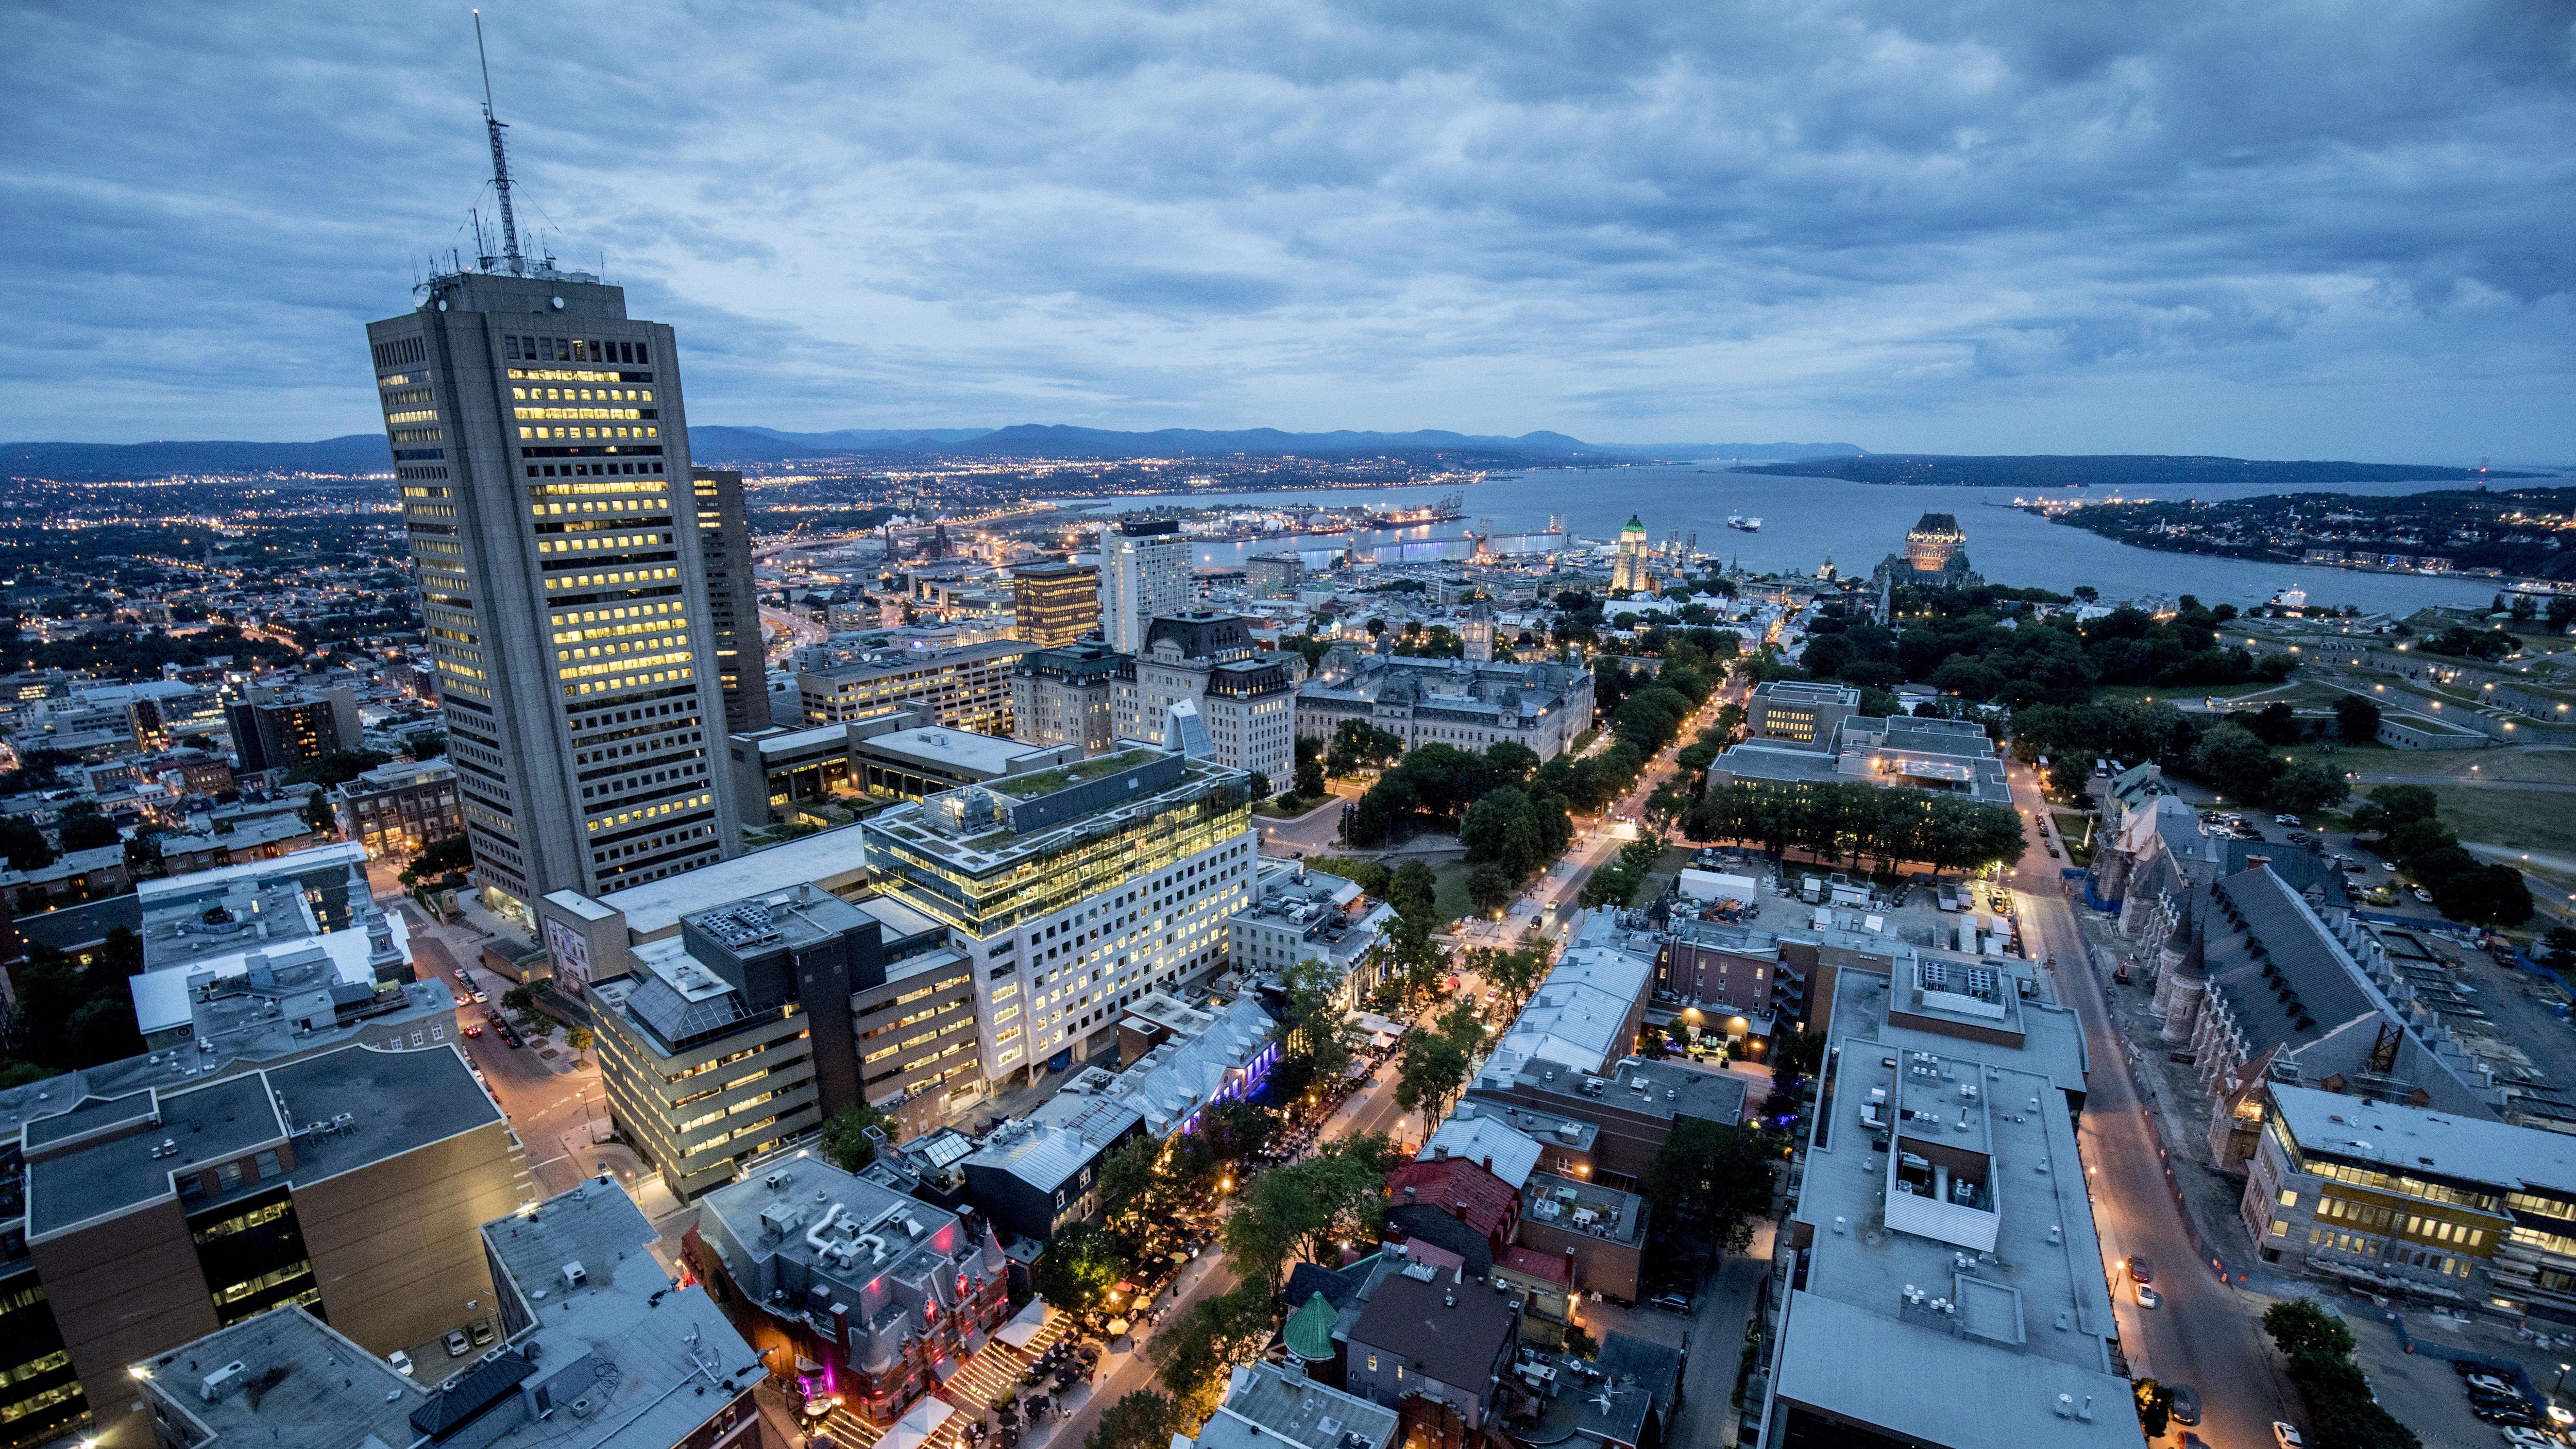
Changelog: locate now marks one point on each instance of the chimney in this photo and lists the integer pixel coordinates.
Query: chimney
(1571, 1278)
(1408, 1193)
(1458, 1210)
(1489, 1163)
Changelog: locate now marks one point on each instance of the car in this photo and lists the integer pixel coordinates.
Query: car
(2422, 894)
(2354, 867)
(402, 1363)
(481, 1328)
(2285, 819)
(2141, 1268)
(456, 1344)
(2286, 1437)
(2488, 1382)
(479, 996)
(2522, 1438)
(1673, 1302)
(473, 1028)
(2186, 1404)
(2149, 1298)
(465, 1001)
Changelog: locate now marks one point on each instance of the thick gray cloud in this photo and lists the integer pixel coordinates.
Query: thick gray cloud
(2288, 229)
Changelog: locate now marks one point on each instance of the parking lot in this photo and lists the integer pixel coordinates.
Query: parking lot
(2422, 1389)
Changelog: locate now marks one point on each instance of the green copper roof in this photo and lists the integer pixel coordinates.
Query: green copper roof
(1636, 523)
(1309, 1334)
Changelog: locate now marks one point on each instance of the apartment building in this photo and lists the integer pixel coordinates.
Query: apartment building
(733, 598)
(399, 809)
(272, 731)
(1066, 696)
(1144, 574)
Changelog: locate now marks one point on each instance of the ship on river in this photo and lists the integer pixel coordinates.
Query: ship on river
(1450, 508)
(1742, 524)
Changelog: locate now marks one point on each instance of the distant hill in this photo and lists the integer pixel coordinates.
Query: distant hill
(1057, 440)
(360, 453)
(93, 462)
(2110, 470)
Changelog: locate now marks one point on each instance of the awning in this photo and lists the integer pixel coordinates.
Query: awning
(916, 1428)
(1026, 1324)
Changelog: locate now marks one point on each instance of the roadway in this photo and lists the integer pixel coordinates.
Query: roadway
(552, 1105)
(2204, 1335)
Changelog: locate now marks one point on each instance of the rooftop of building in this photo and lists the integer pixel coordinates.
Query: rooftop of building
(1507, 1139)
(397, 775)
(1661, 1089)
(900, 661)
(1451, 1331)
(1998, 1284)
(2419, 1141)
(1801, 691)
(982, 830)
(800, 1236)
(222, 997)
(828, 858)
(1169, 1084)
(1462, 1186)
(1638, 1375)
(341, 1109)
(952, 751)
(1581, 1206)
(1066, 1132)
(1266, 1406)
(1580, 1012)
(301, 1385)
(603, 1311)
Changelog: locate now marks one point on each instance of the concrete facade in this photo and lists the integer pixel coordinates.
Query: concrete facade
(545, 480)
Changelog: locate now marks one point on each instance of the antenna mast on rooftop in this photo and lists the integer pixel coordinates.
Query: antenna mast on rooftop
(510, 257)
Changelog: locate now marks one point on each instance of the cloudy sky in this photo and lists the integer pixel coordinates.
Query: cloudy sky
(2273, 230)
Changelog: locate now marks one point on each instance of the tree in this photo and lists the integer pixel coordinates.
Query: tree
(23, 844)
(1489, 889)
(1310, 767)
(2239, 764)
(1414, 891)
(1142, 1419)
(2486, 895)
(1714, 1179)
(2307, 787)
(2356, 719)
(1307, 1208)
(1429, 1075)
(845, 1136)
(1196, 1353)
(1078, 1268)
(2301, 1326)
(83, 828)
(1257, 788)
(336, 768)
(318, 813)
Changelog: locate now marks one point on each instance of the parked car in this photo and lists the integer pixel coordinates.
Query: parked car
(2149, 1298)
(2422, 894)
(2285, 1437)
(2521, 1438)
(1673, 1302)
(402, 1363)
(456, 1344)
(2142, 1268)
(473, 1028)
(2186, 1404)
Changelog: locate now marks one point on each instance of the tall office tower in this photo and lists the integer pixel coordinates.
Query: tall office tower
(1054, 604)
(733, 598)
(539, 437)
(1144, 571)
